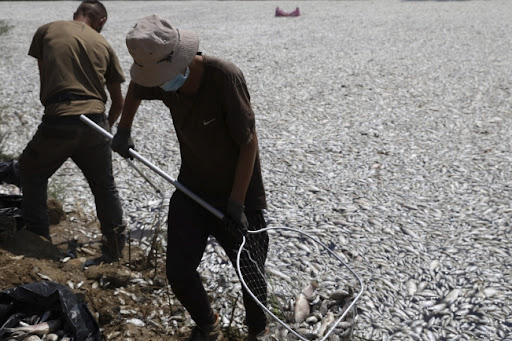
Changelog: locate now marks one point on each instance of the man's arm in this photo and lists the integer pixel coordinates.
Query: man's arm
(244, 169)
(117, 102)
(131, 104)
(122, 141)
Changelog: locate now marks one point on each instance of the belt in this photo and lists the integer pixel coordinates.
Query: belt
(66, 96)
(72, 118)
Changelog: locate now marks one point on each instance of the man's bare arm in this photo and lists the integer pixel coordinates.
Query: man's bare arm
(117, 102)
(131, 105)
(244, 169)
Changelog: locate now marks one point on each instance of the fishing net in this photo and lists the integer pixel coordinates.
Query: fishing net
(305, 286)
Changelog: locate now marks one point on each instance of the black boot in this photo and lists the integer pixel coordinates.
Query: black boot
(112, 245)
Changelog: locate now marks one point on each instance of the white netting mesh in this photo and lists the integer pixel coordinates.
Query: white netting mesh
(305, 286)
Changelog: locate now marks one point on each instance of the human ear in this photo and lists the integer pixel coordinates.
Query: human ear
(100, 24)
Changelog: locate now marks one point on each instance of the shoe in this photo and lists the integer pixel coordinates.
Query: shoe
(258, 336)
(42, 233)
(112, 245)
(207, 333)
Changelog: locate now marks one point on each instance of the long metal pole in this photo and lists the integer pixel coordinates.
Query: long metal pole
(157, 170)
(130, 162)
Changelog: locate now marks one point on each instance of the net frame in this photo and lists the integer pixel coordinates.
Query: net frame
(257, 299)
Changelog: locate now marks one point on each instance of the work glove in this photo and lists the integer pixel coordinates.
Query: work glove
(235, 220)
(122, 142)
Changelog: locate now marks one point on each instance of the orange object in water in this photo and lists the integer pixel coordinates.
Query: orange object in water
(281, 13)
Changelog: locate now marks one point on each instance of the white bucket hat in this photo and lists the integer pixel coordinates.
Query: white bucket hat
(160, 51)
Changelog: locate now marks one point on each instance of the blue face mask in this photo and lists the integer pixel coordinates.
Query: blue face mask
(175, 83)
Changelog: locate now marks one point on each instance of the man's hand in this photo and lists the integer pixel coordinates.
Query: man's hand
(235, 218)
(122, 142)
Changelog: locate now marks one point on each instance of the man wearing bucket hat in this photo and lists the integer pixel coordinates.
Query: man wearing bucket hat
(215, 126)
(76, 63)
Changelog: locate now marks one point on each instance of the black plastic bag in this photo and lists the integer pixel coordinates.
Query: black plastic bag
(11, 200)
(35, 298)
(10, 209)
(9, 172)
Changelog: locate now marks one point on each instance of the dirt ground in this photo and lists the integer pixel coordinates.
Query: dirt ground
(112, 292)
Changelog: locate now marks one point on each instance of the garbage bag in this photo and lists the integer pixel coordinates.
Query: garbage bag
(10, 209)
(10, 204)
(9, 172)
(10, 212)
(36, 298)
(11, 200)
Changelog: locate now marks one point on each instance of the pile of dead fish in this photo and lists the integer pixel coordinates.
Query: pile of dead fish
(47, 327)
(384, 130)
(310, 291)
(313, 315)
(316, 309)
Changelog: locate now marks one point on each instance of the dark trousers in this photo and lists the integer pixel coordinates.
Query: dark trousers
(189, 226)
(56, 140)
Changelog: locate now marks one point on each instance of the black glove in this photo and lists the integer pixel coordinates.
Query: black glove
(122, 142)
(235, 219)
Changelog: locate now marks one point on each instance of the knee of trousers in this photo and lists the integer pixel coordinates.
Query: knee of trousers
(181, 285)
(178, 276)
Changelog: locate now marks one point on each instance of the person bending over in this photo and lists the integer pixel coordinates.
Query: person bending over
(211, 112)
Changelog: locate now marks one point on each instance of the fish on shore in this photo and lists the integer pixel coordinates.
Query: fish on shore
(37, 329)
(302, 308)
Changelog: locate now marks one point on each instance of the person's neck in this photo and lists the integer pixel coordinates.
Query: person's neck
(195, 77)
(83, 19)
(96, 25)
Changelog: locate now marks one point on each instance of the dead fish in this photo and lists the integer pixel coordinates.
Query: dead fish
(452, 296)
(43, 276)
(411, 287)
(489, 292)
(37, 329)
(52, 337)
(301, 310)
(277, 273)
(32, 338)
(339, 295)
(434, 264)
(309, 290)
(326, 322)
(136, 322)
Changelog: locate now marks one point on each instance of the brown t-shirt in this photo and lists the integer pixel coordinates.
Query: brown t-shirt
(77, 60)
(210, 126)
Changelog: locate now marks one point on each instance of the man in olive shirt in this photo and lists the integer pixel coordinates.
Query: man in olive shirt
(76, 63)
(215, 125)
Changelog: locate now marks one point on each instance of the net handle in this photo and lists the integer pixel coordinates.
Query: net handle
(157, 170)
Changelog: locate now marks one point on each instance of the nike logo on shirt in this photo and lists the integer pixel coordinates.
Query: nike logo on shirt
(205, 123)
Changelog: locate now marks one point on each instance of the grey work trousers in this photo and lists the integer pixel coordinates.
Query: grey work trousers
(56, 140)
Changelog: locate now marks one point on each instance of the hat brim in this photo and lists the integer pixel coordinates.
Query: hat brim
(158, 74)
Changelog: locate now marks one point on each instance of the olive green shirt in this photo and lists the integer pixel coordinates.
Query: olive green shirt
(76, 60)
